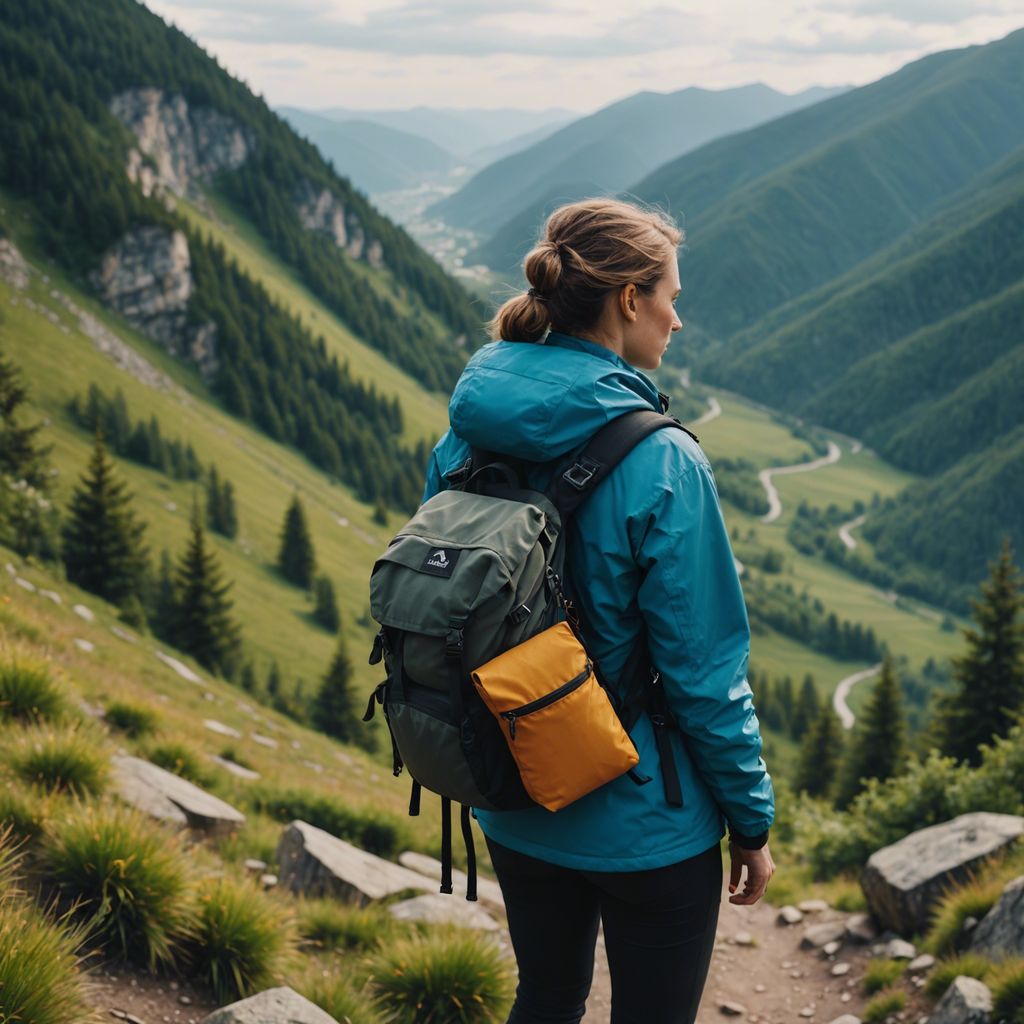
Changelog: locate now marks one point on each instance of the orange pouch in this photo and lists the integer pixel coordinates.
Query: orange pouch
(560, 725)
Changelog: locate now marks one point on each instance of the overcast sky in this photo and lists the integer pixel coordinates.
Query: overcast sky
(580, 54)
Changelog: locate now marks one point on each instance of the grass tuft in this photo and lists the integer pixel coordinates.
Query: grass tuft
(448, 975)
(975, 899)
(1007, 983)
(134, 720)
(884, 1004)
(67, 760)
(327, 924)
(243, 938)
(339, 996)
(23, 811)
(124, 877)
(970, 964)
(28, 691)
(881, 974)
(181, 760)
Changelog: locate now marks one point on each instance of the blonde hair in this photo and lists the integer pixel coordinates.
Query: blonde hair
(587, 250)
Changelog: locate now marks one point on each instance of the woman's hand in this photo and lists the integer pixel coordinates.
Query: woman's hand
(760, 868)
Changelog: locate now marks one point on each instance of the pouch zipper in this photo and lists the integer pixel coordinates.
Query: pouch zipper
(543, 702)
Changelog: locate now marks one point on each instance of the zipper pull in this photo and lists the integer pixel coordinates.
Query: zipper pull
(510, 717)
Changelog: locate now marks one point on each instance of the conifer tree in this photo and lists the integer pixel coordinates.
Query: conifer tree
(248, 679)
(229, 514)
(21, 455)
(204, 626)
(335, 707)
(164, 609)
(326, 611)
(876, 750)
(296, 558)
(274, 680)
(214, 512)
(806, 709)
(103, 549)
(989, 678)
(820, 754)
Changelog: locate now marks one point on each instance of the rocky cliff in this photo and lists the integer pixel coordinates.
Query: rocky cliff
(323, 211)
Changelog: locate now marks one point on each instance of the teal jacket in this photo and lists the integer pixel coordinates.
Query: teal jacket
(649, 549)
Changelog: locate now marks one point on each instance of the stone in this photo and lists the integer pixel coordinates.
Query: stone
(274, 1006)
(84, 613)
(315, 863)
(123, 634)
(922, 963)
(967, 1001)
(760, 988)
(437, 908)
(182, 669)
(256, 867)
(264, 741)
(807, 1011)
(845, 997)
(169, 797)
(1001, 931)
(13, 268)
(840, 969)
(236, 769)
(268, 881)
(789, 915)
(743, 939)
(25, 584)
(84, 645)
(846, 1018)
(831, 948)
(859, 928)
(900, 949)
(812, 906)
(818, 935)
(904, 882)
(221, 729)
(487, 890)
(51, 595)
(730, 1009)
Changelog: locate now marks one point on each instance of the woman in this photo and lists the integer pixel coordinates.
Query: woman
(647, 551)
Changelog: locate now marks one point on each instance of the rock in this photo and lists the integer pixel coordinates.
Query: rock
(743, 939)
(51, 595)
(268, 881)
(221, 729)
(812, 906)
(831, 948)
(845, 997)
(182, 669)
(1001, 931)
(859, 928)
(487, 890)
(274, 1006)
(789, 915)
(84, 613)
(256, 867)
(732, 1009)
(123, 634)
(264, 741)
(169, 797)
(13, 268)
(900, 949)
(903, 882)
(807, 1011)
(818, 935)
(840, 970)
(922, 963)
(84, 645)
(236, 769)
(760, 988)
(435, 908)
(846, 1018)
(25, 584)
(970, 923)
(315, 863)
(967, 1001)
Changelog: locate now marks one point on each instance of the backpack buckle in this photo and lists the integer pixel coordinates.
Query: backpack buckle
(459, 475)
(580, 473)
(454, 643)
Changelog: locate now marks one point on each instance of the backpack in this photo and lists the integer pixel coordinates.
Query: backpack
(475, 572)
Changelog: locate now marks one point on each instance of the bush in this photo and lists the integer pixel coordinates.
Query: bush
(124, 877)
(882, 1005)
(23, 812)
(28, 691)
(338, 995)
(133, 720)
(945, 971)
(446, 976)
(1007, 983)
(975, 899)
(881, 974)
(181, 760)
(242, 939)
(66, 760)
(327, 924)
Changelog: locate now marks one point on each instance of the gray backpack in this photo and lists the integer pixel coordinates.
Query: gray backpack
(476, 571)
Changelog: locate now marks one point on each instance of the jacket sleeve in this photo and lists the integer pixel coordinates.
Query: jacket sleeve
(699, 639)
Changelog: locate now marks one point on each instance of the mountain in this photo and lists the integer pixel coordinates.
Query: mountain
(497, 150)
(374, 157)
(610, 149)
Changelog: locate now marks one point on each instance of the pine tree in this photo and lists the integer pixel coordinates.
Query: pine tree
(204, 626)
(989, 678)
(214, 511)
(274, 680)
(248, 679)
(820, 754)
(103, 549)
(21, 456)
(876, 750)
(296, 558)
(335, 710)
(164, 610)
(806, 710)
(326, 611)
(229, 514)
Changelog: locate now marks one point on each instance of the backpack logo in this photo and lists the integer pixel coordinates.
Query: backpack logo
(440, 562)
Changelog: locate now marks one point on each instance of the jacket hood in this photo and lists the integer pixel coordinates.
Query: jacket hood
(539, 401)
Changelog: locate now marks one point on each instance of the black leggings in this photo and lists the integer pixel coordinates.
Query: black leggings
(659, 930)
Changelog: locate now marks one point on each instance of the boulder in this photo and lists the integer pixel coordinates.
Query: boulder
(1000, 933)
(922, 963)
(900, 949)
(169, 797)
(789, 915)
(436, 908)
(488, 891)
(967, 1001)
(903, 882)
(274, 1006)
(315, 863)
(819, 935)
(847, 1018)
(860, 929)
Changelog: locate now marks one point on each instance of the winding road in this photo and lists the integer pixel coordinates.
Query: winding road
(714, 411)
(844, 531)
(842, 691)
(765, 476)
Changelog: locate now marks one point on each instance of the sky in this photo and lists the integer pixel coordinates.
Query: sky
(575, 54)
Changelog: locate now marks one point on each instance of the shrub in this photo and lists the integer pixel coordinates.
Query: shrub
(339, 996)
(970, 964)
(133, 720)
(881, 974)
(28, 691)
(446, 976)
(242, 939)
(23, 812)
(975, 899)
(327, 924)
(66, 760)
(124, 877)
(1007, 983)
(882, 1005)
(181, 760)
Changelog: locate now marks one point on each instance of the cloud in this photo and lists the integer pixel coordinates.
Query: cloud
(917, 12)
(820, 42)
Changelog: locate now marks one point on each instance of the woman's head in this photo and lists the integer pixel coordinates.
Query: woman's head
(589, 255)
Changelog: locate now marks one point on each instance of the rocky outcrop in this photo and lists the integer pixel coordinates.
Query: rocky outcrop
(275, 1006)
(147, 278)
(321, 210)
(967, 1001)
(904, 881)
(1001, 931)
(13, 268)
(315, 863)
(178, 145)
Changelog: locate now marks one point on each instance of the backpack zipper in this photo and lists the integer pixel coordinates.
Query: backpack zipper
(543, 702)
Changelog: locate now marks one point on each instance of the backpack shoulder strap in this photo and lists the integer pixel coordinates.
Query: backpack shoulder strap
(574, 482)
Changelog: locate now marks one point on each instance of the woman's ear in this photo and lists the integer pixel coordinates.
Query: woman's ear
(627, 301)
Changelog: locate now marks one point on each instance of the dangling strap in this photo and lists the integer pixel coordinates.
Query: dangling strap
(661, 719)
(467, 836)
(414, 799)
(446, 845)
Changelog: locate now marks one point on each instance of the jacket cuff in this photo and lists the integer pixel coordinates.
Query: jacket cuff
(748, 842)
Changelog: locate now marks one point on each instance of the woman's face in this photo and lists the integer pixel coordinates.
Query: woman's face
(647, 336)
